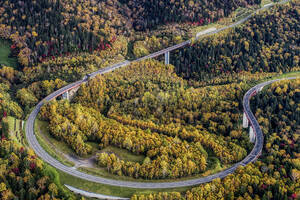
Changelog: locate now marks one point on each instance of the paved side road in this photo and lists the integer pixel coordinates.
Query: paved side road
(93, 195)
(29, 129)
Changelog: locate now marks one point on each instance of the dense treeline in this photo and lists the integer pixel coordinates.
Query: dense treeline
(226, 151)
(49, 28)
(148, 14)
(8, 104)
(70, 66)
(74, 66)
(276, 175)
(11, 99)
(153, 92)
(54, 42)
(268, 42)
(46, 29)
(32, 84)
(147, 109)
(279, 114)
(24, 176)
(166, 156)
(29, 97)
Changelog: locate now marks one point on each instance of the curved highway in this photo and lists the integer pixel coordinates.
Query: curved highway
(33, 143)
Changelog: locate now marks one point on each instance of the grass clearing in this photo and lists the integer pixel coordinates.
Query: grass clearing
(11, 123)
(214, 165)
(102, 172)
(25, 139)
(124, 154)
(15, 130)
(4, 55)
(95, 148)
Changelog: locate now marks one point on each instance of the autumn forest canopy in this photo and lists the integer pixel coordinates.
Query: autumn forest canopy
(149, 121)
(51, 28)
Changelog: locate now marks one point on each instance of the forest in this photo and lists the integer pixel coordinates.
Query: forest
(276, 174)
(268, 42)
(147, 109)
(50, 28)
(148, 14)
(46, 29)
(23, 175)
(183, 120)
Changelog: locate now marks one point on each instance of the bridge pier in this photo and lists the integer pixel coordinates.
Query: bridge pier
(66, 95)
(259, 89)
(245, 121)
(167, 58)
(251, 135)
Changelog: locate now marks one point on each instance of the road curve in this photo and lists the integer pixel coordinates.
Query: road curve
(33, 143)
